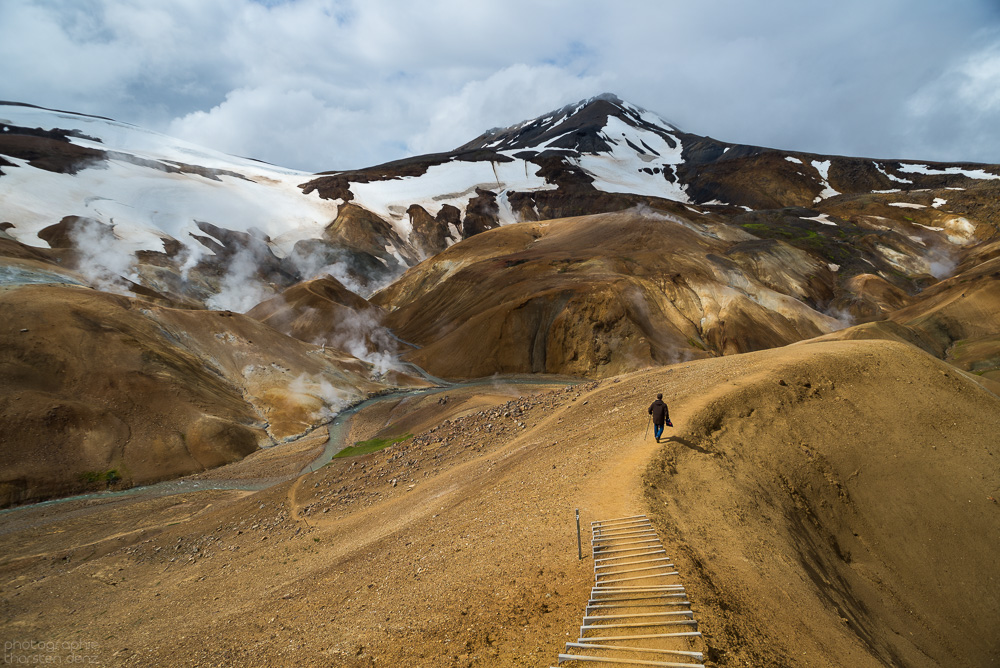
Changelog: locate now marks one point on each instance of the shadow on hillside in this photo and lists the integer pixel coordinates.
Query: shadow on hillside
(687, 444)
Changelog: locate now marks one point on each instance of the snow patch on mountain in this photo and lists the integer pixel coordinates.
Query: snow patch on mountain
(453, 182)
(629, 169)
(823, 218)
(115, 135)
(823, 168)
(889, 175)
(141, 188)
(933, 171)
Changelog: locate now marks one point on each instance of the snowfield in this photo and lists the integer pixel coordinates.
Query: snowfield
(621, 171)
(146, 202)
(452, 183)
(926, 169)
(823, 169)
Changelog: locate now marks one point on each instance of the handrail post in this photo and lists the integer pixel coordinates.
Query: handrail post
(579, 542)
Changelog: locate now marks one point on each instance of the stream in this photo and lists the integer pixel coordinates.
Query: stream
(339, 428)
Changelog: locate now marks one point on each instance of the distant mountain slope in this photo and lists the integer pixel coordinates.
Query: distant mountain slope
(605, 154)
(605, 294)
(851, 239)
(541, 297)
(196, 220)
(957, 320)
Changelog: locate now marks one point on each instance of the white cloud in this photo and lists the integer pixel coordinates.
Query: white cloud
(954, 116)
(513, 94)
(336, 84)
(981, 89)
(275, 125)
(33, 39)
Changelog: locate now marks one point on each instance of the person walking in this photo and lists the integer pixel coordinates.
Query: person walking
(661, 416)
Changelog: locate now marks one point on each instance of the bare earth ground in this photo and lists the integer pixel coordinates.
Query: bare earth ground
(828, 504)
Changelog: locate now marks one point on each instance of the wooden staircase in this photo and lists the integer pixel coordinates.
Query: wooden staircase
(638, 613)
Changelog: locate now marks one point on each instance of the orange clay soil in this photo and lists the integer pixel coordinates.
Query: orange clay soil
(827, 504)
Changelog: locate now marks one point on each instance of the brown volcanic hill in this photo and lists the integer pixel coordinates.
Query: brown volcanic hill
(957, 319)
(827, 504)
(601, 295)
(98, 388)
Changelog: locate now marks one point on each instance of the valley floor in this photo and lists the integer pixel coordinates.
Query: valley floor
(828, 504)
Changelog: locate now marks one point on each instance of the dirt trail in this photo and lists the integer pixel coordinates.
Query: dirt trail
(618, 492)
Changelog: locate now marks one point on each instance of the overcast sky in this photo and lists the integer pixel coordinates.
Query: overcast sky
(330, 84)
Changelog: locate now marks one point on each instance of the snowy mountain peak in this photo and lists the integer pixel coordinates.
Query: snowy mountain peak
(548, 166)
(582, 127)
(545, 167)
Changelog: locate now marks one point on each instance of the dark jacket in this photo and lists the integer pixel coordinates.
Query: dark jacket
(659, 411)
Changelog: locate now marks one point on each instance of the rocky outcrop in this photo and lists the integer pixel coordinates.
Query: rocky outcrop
(481, 214)
(361, 231)
(50, 150)
(430, 234)
(64, 233)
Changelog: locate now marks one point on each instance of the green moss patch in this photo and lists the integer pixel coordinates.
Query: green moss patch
(109, 477)
(371, 445)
